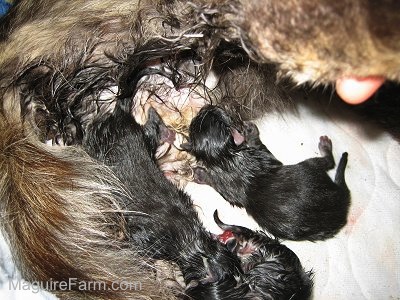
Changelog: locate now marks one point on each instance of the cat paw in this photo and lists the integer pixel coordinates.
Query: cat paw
(325, 145)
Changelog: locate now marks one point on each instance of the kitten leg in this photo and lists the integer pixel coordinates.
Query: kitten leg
(326, 162)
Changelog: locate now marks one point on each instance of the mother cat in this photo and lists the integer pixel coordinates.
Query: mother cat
(63, 62)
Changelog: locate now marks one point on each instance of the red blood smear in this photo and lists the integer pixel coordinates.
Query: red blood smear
(224, 237)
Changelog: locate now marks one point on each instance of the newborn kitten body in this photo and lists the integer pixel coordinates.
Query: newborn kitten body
(162, 222)
(296, 202)
(54, 76)
(269, 265)
(160, 219)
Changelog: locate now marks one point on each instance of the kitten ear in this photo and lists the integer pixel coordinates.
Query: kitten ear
(187, 146)
(200, 175)
(166, 135)
(238, 138)
(153, 116)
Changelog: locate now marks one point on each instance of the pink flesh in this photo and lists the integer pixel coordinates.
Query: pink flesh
(237, 137)
(355, 90)
(225, 236)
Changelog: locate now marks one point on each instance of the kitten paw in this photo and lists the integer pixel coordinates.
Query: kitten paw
(325, 145)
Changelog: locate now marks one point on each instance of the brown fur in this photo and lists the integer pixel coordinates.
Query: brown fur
(321, 41)
(59, 208)
(61, 216)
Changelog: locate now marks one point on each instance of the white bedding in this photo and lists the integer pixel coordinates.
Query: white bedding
(12, 287)
(363, 260)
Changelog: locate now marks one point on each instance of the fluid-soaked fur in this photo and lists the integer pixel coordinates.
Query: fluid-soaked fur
(156, 133)
(271, 268)
(63, 62)
(167, 226)
(61, 214)
(297, 202)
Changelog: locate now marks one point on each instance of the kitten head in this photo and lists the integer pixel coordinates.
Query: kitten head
(214, 135)
(270, 268)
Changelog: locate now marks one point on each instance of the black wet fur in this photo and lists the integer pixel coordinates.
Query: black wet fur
(296, 202)
(271, 268)
(166, 226)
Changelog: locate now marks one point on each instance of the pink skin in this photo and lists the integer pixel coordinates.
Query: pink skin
(244, 248)
(355, 90)
(225, 236)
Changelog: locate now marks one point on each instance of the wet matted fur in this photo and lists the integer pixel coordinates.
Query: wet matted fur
(62, 63)
(272, 269)
(285, 200)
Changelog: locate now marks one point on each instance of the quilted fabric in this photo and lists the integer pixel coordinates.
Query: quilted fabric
(363, 260)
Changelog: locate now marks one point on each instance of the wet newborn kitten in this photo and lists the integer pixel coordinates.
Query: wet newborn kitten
(296, 202)
(271, 268)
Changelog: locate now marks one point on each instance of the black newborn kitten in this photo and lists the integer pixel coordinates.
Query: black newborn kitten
(156, 132)
(296, 202)
(161, 220)
(271, 268)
